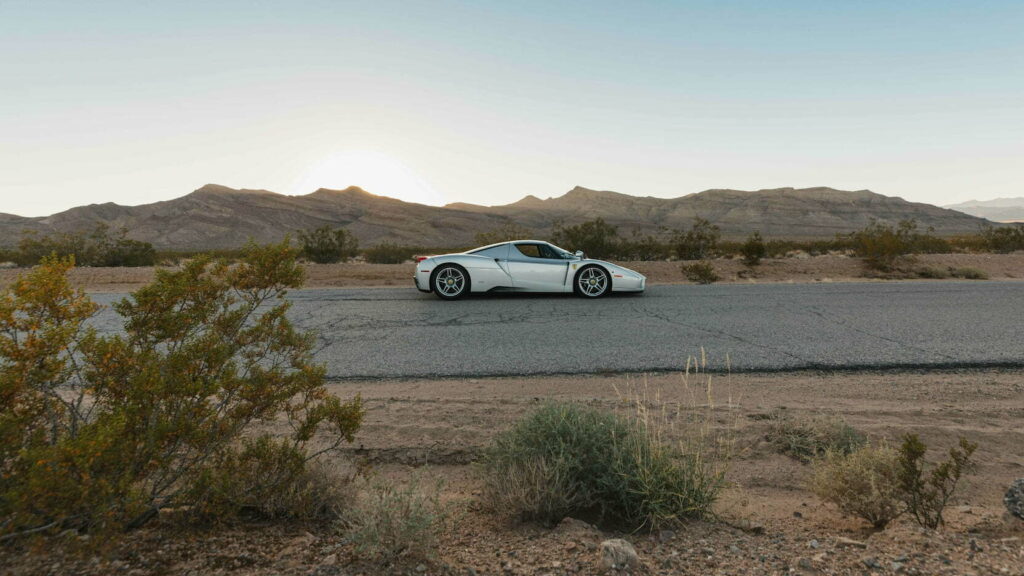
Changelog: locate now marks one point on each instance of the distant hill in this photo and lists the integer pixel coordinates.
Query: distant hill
(998, 210)
(219, 217)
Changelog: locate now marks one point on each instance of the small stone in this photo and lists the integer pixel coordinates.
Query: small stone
(330, 560)
(735, 549)
(897, 567)
(814, 544)
(797, 515)
(805, 564)
(844, 542)
(666, 536)
(617, 554)
(421, 568)
(871, 562)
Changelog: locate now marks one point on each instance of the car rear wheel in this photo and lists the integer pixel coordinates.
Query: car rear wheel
(450, 282)
(592, 282)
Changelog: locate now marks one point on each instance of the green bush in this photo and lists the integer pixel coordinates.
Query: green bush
(642, 247)
(885, 247)
(96, 248)
(596, 238)
(808, 438)
(702, 272)
(388, 253)
(754, 249)
(100, 432)
(1003, 239)
(927, 494)
(326, 246)
(932, 273)
(969, 273)
(568, 460)
(268, 478)
(862, 483)
(398, 522)
(697, 243)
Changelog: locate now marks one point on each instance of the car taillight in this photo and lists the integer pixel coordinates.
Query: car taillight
(419, 259)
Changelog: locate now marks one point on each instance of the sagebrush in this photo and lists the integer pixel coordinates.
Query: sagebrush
(570, 460)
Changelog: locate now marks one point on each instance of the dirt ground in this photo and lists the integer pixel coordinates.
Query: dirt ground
(767, 521)
(798, 268)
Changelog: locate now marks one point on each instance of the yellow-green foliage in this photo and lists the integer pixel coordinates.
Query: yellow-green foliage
(99, 432)
(862, 483)
(927, 488)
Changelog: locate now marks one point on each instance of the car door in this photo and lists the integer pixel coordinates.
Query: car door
(531, 271)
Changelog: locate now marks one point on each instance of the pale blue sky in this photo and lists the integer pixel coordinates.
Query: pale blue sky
(485, 102)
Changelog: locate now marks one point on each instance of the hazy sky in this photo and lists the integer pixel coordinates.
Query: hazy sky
(485, 102)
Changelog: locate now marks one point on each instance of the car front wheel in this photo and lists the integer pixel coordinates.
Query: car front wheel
(450, 282)
(592, 282)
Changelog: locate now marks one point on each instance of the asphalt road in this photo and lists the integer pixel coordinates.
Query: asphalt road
(392, 332)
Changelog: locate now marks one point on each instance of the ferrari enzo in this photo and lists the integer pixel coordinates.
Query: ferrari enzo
(522, 266)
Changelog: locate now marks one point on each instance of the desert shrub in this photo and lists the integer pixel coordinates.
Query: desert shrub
(101, 432)
(268, 478)
(884, 247)
(702, 272)
(509, 231)
(326, 246)
(395, 522)
(1003, 239)
(932, 272)
(596, 238)
(697, 243)
(812, 437)
(98, 247)
(642, 247)
(862, 483)
(753, 250)
(927, 494)
(568, 460)
(969, 273)
(388, 253)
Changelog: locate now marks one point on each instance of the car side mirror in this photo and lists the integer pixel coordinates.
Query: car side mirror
(579, 254)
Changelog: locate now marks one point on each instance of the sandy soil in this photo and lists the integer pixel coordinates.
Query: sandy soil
(800, 268)
(768, 522)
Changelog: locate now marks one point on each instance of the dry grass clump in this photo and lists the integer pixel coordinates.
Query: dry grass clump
(863, 483)
(396, 522)
(807, 438)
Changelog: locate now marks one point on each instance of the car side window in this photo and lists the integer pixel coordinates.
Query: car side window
(531, 250)
(549, 252)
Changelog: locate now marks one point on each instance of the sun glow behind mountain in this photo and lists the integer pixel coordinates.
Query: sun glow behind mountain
(372, 171)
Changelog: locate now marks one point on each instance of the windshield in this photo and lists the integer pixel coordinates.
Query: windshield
(561, 253)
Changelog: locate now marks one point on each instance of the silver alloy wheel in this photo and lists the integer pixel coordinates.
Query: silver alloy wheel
(450, 282)
(592, 282)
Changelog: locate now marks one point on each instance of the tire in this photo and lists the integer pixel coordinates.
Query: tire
(450, 282)
(592, 282)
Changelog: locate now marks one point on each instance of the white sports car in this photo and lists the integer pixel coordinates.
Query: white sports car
(522, 266)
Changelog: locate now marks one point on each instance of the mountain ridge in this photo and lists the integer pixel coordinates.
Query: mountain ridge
(215, 216)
